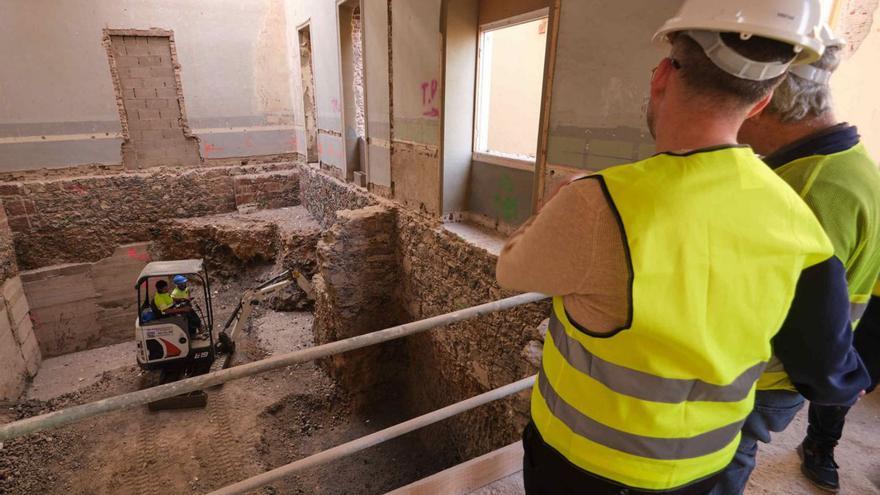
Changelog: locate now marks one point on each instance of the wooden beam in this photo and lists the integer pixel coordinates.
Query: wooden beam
(469, 476)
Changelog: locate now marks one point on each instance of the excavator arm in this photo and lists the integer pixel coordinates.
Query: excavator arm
(254, 296)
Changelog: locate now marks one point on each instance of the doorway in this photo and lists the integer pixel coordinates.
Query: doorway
(308, 92)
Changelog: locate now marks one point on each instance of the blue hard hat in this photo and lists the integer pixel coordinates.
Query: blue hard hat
(179, 279)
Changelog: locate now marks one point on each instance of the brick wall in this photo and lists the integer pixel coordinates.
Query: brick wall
(273, 190)
(148, 89)
(84, 218)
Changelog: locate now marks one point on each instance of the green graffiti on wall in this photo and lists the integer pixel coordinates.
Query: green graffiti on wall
(505, 201)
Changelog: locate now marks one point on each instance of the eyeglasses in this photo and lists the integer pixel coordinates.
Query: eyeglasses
(675, 65)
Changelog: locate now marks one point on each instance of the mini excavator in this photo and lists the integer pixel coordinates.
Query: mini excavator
(168, 344)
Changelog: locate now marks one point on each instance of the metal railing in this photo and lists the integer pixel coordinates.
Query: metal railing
(141, 397)
(372, 439)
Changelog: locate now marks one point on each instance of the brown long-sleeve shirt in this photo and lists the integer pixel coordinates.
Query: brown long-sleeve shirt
(573, 248)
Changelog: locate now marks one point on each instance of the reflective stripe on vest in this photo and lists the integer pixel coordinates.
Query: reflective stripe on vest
(646, 386)
(643, 446)
(660, 404)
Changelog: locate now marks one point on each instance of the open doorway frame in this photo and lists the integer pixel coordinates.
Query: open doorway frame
(307, 76)
(354, 132)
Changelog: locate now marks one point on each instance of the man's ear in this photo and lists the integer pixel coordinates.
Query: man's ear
(760, 106)
(660, 78)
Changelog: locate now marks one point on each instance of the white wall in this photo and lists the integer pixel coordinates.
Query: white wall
(56, 82)
(854, 85)
(321, 16)
(375, 14)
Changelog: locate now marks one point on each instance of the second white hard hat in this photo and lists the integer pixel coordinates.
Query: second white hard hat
(795, 22)
(813, 73)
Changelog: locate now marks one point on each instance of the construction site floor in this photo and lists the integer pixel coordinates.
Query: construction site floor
(778, 471)
(249, 426)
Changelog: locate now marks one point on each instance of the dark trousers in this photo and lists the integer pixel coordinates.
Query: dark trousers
(774, 410)
(826, 425)
(192, 321)
(546, 471)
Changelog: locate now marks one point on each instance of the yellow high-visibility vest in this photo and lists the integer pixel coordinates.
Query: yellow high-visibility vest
(819, 179)
(716, 244)
(180, 294)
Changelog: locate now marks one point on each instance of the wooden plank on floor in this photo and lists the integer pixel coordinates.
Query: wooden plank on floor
(469, 476)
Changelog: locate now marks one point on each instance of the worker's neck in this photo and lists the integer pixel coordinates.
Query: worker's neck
(787, 133)
(682, 132)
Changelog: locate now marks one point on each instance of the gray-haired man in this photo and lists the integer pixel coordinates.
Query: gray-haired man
(824, 161)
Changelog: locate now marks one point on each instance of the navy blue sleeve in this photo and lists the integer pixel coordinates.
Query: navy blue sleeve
(867, 340)
(815, 342)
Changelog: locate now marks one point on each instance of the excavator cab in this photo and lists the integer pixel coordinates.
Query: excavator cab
(166, 342)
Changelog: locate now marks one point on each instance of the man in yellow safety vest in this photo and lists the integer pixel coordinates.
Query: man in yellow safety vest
(673, 277)
(825, 162)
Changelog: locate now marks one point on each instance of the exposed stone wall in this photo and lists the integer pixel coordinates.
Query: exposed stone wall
(442, 273)
(357, 293)
(81, 306)
(437, 272)
(287, 238)
(323, 196)
(8, 263)
(19, 353)
(83, 218)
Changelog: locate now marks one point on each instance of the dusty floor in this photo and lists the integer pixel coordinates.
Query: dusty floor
(248, 427)
(778, 471)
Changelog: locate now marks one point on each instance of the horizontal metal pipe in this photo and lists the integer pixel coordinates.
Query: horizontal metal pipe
(372, 439)
(77, 413)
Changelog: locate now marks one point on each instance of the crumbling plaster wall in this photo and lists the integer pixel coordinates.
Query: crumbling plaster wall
(59, 105)
(855, 84)
(438, 272)
(20, 355)
(83, 218)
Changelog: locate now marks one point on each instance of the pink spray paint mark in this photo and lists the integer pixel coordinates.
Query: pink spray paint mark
(429, 95)
(135, 255)
(210, 148)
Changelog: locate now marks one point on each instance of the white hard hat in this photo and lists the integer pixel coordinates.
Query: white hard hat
(795, 22)
(813, 73)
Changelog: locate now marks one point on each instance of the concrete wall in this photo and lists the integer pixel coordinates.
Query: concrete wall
(235, 69)
(20, 355)
(459, 87)
(416, 82)
(600, 84)
(83, 218)
(500, 195)
(85, 305)
(378, 91)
